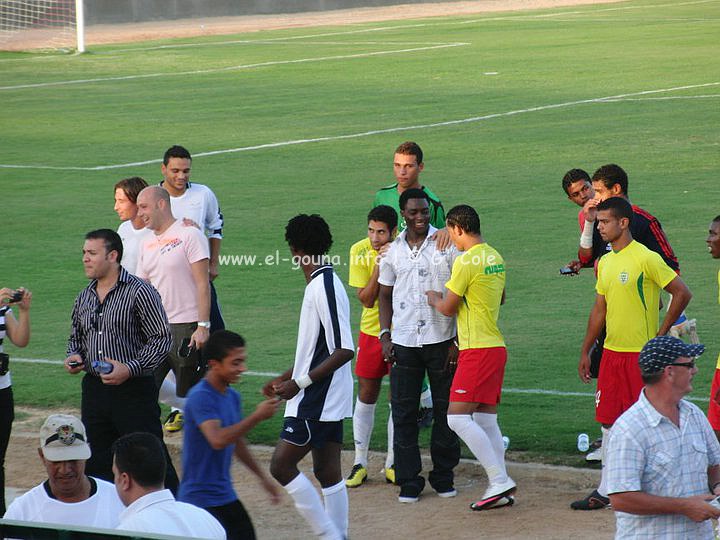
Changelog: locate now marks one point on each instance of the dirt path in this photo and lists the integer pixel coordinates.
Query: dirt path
(541, 511)
(104, 33)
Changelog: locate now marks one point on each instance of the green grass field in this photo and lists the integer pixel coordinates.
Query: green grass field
(306, 120)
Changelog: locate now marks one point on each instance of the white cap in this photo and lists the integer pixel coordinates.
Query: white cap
(62, 438)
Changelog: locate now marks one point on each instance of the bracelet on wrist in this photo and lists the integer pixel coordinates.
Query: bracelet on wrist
(383, 332)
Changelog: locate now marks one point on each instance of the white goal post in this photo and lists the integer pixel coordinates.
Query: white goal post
(42, 24)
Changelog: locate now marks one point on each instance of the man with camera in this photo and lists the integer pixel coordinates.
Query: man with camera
(119, 335)
(18, 332)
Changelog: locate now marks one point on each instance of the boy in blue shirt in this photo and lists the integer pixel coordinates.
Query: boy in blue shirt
(214, 430)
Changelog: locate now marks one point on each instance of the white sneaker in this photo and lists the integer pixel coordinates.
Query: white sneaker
(500, 490)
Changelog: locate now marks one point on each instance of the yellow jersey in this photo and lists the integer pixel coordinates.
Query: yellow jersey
(478, 277)
(362, 262)
(630, 280)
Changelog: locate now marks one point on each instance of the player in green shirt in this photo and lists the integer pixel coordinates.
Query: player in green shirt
(407, 166)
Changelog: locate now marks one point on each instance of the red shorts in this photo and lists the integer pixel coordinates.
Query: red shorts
(370, 363)
(479, 376)
(618, 386)
(714, 408)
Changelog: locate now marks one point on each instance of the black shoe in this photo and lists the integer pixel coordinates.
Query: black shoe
(410, 491)
(594, 501)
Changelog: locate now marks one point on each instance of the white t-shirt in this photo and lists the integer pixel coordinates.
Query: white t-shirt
(165, 261)
(131, 239)
(160, 513)
(102, 509)
(324, 327)
(411, 273)
(199, 204)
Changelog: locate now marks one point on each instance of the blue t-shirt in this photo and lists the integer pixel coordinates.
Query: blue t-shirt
(206, 472)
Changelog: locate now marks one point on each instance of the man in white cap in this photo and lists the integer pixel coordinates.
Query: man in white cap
(663, 459)
(68, 496)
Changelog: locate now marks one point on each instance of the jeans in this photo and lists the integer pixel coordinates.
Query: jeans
(406, 378)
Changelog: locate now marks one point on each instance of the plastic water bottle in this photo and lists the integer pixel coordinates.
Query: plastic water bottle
(102, 367)
(506, 442)
(583, 443)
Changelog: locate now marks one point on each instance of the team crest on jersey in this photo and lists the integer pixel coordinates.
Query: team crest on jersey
(66, 435)
(624, 277)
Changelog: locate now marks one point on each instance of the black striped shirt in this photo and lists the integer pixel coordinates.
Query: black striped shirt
(129, 326)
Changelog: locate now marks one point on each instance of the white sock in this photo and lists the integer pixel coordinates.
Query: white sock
(310, 507)
(488, 422)
(168, 395)
(479, 444)
(603, 488)
(363, 421)
(426, 399)
(336, 505)
(390, 458)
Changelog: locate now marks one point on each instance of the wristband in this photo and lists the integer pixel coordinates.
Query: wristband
(586, 238)
(383, 332)
(204, 324)
(304, 381)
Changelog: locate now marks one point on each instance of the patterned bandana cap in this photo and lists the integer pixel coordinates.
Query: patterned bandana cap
(62, 438)
(665, 350)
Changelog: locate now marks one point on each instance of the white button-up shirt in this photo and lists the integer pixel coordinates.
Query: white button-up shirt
(649, 453)
(159, 512)
(411, 272)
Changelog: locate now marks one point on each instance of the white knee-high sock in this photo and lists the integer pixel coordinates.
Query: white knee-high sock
(363, 421)
(336, 505)
(168, 395)
(390, 458)
(426, 398)
(479, 444)
(488, 422)
(603, 488)
(310, 507)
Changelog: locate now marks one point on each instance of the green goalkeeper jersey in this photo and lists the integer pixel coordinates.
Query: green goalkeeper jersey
(389, 195)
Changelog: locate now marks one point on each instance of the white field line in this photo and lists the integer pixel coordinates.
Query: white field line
(664, 98)
(231, 68)
(373, 132)
(108, 55)
(270, 374)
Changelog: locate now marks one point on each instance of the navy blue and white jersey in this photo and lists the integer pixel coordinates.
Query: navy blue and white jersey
(324, 327)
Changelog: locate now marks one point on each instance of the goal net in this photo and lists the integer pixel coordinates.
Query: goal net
(41, 24)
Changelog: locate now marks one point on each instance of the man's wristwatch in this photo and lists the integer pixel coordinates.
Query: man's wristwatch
(383, 332)
(204, 324)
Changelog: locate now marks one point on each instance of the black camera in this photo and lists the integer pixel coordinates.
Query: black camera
(16, 296)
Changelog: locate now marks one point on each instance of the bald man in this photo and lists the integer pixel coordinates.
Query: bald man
(175, 261)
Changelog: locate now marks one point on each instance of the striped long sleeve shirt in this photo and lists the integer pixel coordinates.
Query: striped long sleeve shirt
(129, 326)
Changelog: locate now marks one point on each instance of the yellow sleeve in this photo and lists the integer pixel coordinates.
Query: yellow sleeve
(459, 278)
(600, 286)
(657, 270)
(360, 268)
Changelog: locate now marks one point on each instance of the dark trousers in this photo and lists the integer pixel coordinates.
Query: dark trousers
(235, 520)
(406, 378)
(110, 411)
(216, 319)
(7, 415)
